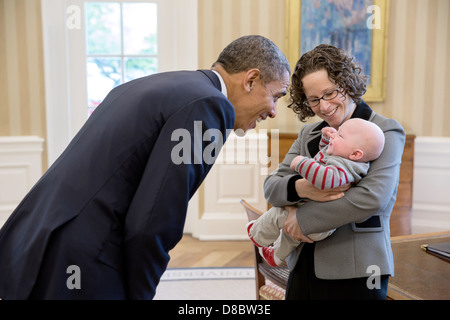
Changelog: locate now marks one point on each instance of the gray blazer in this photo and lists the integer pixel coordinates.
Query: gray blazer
(361, 217)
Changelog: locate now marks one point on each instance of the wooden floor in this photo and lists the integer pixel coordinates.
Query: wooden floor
(190, 253)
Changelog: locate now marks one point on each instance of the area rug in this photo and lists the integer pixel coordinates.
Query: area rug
(207, 284)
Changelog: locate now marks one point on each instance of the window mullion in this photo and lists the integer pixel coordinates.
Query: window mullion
(122, 42)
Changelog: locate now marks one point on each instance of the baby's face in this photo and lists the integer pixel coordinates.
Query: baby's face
(342, 143)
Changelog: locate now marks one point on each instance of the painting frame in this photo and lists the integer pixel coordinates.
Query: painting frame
(376, 89)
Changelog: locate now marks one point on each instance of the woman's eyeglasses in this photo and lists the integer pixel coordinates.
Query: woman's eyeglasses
(330, 95)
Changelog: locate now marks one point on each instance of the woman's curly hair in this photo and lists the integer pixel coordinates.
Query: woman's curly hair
(342, 70)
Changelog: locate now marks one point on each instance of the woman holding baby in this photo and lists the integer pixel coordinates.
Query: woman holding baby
(355, 262)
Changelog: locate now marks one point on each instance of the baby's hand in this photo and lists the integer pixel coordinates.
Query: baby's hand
(328, 131)
(295, 162)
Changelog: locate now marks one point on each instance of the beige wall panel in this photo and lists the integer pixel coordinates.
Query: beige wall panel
(22, 102)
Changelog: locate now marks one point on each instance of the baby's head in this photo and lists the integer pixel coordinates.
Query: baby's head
(357, 140)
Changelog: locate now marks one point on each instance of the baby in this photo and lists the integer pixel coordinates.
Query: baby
(343, 158)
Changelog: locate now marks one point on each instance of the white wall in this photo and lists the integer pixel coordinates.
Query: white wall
(431, 193)
(215, 212)
(20, 168)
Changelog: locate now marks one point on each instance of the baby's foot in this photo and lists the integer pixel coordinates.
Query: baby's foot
(268, 253)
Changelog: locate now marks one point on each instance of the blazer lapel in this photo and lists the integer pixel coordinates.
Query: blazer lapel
(314, 139)
(362, 111)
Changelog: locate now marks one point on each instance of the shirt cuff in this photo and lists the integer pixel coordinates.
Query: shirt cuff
(292, 195)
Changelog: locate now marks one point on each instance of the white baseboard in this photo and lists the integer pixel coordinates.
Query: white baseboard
(222, 226)
(431, 190)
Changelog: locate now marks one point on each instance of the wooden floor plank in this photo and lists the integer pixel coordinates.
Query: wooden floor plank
(193, 253)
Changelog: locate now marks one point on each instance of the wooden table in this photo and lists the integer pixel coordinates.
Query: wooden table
(418, 274)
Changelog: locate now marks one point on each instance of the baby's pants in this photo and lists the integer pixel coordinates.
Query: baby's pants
(268, 230)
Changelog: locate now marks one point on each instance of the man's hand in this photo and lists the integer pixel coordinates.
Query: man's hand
(292, 228)
(306, 189)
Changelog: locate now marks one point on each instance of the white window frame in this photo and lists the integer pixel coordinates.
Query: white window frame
(65, 67)
(121, 55)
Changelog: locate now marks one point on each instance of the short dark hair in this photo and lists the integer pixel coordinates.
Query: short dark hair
(251, 52)
(342, 69)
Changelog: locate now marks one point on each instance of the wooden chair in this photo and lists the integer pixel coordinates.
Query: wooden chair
(270, 281)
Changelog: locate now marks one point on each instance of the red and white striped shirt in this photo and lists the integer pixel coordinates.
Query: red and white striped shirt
(328, 172)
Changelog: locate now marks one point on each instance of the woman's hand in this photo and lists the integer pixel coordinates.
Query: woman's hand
(306, 189)
(292, 228)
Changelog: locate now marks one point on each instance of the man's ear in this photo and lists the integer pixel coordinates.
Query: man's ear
(250, 77)
(356, 155)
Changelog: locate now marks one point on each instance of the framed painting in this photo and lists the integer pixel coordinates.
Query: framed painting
(360, 27)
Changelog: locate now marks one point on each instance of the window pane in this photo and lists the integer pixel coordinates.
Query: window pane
(140, 28)
(140, 67)
(103, 74)
(103, 25)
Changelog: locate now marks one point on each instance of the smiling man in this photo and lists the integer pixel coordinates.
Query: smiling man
(114, 203)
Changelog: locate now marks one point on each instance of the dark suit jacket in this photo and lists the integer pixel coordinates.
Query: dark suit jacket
(114, 203)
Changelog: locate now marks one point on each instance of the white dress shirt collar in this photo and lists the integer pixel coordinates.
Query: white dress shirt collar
(222, 83)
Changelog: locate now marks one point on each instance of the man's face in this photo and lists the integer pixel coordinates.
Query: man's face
(259, 103)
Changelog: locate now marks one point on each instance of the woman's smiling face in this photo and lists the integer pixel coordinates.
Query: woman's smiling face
(336, 111)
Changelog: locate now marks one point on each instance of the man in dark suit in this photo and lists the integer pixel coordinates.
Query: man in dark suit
(100, 223)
